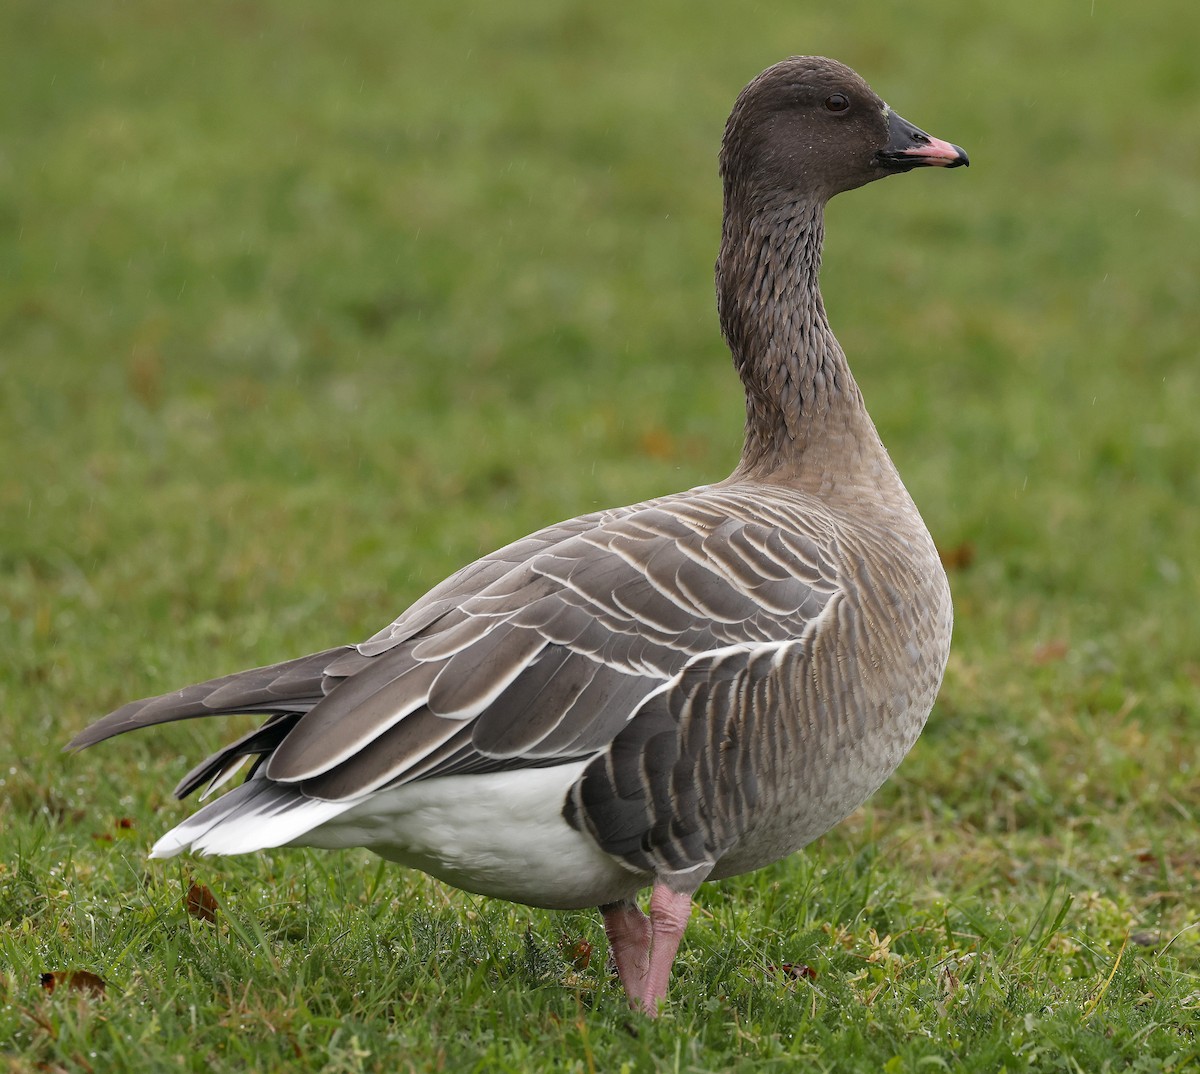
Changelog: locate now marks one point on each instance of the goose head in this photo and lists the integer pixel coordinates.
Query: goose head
(808, 128)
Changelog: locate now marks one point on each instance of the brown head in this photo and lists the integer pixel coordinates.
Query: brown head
(809, 128)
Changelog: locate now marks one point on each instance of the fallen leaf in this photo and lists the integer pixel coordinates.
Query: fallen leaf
(958, 558)
(74, 981)
(1049, 652)
(144, 368)
(121, 824)
(143, 374)
(798, 971)
(577, 952)
(201, 903)
(657, 443)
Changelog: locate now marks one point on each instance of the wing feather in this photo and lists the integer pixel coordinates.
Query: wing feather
(473, 678)
(403, 745)
(351, 718)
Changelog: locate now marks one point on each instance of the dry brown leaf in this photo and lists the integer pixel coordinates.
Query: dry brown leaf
(798, 971)
(1049, 652)
(74, 981)
(958, 558)
(143, 373)
(201, 903)
(577, 952)
(121, 824)
(144, 367)
(657, 443)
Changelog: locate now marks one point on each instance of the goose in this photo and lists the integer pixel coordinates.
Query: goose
(679, 690)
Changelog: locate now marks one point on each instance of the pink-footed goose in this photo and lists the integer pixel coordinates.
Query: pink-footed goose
(656, 695)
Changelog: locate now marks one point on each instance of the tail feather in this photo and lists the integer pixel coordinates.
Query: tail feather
(291, 686)
(256, 815)
(215, 769)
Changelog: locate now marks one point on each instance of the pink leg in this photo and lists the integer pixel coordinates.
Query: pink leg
(644, 948)
(669, 913)
(628, 931)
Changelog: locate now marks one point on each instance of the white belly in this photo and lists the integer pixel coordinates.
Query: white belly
(500, 834)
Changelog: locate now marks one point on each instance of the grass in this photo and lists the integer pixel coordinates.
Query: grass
(304, 306)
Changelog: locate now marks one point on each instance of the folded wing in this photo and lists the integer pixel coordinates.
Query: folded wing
(537, 655)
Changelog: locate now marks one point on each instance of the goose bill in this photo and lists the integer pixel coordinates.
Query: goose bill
(910, 147)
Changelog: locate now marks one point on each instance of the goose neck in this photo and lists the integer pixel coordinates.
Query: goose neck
(799, 390)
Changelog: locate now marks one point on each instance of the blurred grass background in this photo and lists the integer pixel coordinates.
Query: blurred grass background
(302, 306)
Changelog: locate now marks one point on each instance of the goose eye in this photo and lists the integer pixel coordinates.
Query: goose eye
(837, 102)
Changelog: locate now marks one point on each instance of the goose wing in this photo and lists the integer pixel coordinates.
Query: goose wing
(536, 655)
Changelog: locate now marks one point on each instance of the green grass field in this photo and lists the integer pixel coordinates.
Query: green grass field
(302, 306)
